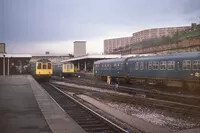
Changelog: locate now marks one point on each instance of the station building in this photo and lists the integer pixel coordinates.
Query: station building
(12, 64)
(85, 63)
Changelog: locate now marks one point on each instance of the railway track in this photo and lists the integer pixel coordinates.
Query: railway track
(173, 107)
(192, 100)
(88, 119)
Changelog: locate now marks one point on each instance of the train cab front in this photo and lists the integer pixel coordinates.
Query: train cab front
(44, 70)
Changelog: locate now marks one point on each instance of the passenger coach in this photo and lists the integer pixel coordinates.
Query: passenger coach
(180, 69)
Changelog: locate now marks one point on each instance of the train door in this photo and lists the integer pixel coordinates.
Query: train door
(179, 66)
(146, 66)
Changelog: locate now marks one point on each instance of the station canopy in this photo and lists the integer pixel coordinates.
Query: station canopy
(16, 55)
(103, 56)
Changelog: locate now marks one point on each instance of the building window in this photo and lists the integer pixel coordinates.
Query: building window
(196, 65)
(155, 65)
(141, 65)
(137, 66)
(149, 65)
(186, 64)
(163, 65)
(171, 65)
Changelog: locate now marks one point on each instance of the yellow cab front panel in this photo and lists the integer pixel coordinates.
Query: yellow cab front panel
(44, 68)
(67, 68)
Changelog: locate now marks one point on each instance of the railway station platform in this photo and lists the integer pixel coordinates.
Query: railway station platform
(25, 107)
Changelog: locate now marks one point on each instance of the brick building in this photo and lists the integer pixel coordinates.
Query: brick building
(111, 44)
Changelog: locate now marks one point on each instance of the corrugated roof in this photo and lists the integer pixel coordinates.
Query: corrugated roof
(49, 55)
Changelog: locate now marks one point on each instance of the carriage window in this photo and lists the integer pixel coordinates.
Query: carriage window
(186, 64)
(171, 65)
(141, 65)
(49, 65)
(163, 65)
(196, 65)
(137, 66)
(118, 66)
(155, 65)
(106, 66)
(39, 66)
(44, 66)
(149, 65)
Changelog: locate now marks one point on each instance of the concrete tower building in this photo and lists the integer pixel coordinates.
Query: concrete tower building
(79, 48)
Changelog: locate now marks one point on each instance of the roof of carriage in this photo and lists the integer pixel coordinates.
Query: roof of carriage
(152, 57)
(169, 56)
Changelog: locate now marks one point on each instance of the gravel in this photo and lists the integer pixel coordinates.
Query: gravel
(154, 117)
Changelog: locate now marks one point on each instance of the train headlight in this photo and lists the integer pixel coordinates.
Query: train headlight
(197, 74)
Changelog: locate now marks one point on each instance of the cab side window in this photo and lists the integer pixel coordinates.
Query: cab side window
(65, 66)
(68, 66)
(49, 65)
(39, 66)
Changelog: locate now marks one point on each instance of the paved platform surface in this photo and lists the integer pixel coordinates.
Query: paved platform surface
(25, 107)
(58, 120)
(19, 111)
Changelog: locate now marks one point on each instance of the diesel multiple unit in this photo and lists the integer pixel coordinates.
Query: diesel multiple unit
(180, 69)
(41, 69)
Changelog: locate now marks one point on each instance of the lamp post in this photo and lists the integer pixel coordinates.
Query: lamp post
(8, 67)
(4, 65)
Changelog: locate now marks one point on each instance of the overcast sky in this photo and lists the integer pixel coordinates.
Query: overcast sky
(35, 26)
